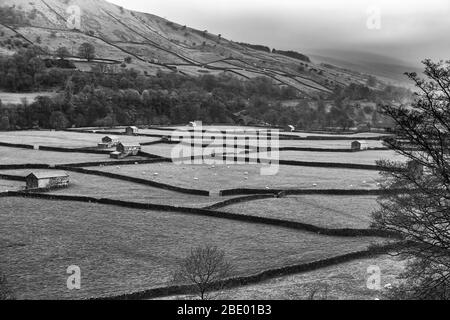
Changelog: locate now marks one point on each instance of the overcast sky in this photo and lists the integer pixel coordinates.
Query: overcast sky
(410, 29)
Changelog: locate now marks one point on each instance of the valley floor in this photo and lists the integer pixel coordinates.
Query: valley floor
(128, 224)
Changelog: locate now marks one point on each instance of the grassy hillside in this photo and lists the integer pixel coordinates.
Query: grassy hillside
(155, 44)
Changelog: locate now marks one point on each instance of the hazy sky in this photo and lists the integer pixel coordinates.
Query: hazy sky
(410, 29)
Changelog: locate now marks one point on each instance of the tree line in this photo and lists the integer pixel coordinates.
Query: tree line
(126, 96)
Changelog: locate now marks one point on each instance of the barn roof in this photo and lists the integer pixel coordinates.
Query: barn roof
(48, 174)
(132, 127)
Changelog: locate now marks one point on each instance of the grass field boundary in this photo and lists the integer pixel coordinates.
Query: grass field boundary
(24, 166)
(330, 165)
(144, 144)
(77, 150)
(55, 149)
(331, 150)
(229, 202)
(74, 150)
(153, 156)
(135, 180)
(106, 132)
(16, 145)
(342, 232)
(325, 150)
(75, 168)
(240, 281)
(114, 163)
(330, 192)
(283, 137)
(238, 158)
(247, 159)
(12, 177)
(92, 151)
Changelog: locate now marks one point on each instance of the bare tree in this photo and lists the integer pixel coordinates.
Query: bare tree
(205, 268)
(421, 214)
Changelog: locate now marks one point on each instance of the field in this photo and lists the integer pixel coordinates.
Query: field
(222, 177)
(63, 139)
(347, 281)
(7, 185)
(102, 187)
(25, 156)
(344, 282)
(326, 144)
(122, 251)
(165, 150)
(250, 131)
(365, 157)
(324, 211)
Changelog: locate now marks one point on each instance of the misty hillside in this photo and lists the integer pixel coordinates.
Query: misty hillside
(388, 69)
(150, 44)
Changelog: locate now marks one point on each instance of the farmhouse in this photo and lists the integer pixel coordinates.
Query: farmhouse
(131, 131)
(359, 145)
(125, 149)
(195, 124)
(108, 142)
(289, 128)
(47, 180)
(129, 148)
(117, 155)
